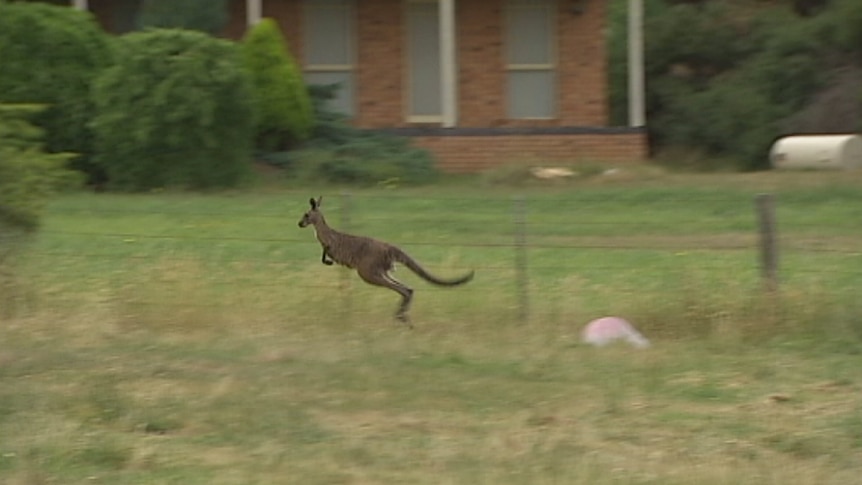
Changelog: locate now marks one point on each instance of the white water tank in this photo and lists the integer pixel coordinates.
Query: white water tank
(834, 152)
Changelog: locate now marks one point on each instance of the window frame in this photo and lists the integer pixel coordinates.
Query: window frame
(409, 115)
(551, 67)
(349, 68)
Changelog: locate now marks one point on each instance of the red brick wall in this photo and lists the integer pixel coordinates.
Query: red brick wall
(583, 64)
(235, 27)
(481, 88)
(380, 63)
(460, 154)
(581, 58)
(288, 15)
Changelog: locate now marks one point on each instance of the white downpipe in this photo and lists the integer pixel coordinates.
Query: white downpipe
(448, 63)
(253, 12)
(80, 4)
(637, 85)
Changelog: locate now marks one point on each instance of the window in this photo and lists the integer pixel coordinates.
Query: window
(530, 59)
(423, 58)
(328, 44)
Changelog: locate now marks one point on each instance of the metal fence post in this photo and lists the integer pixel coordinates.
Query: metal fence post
(765, 204)
(521, 277)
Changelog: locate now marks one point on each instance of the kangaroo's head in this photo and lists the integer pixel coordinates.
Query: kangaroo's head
(314, 215)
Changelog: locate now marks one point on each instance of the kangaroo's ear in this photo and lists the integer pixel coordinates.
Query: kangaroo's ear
(313, 203)
(319, 201)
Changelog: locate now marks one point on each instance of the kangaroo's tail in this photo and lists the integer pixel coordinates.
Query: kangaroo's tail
(414, 266)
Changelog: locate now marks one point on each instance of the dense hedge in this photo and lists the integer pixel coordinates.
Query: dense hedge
(283, 107)
(342, 154)
(28, 175)
(50, 55)
(173, 112)
(727, 78)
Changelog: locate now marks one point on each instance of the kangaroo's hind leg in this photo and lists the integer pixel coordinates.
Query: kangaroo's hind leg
(383, 279)
(406, 298)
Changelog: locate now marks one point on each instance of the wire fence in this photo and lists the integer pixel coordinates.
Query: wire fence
(515, 243)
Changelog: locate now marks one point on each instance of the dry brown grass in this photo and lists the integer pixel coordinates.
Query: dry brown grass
(231, 362)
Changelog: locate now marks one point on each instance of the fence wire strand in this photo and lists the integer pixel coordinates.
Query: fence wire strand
(524, 243)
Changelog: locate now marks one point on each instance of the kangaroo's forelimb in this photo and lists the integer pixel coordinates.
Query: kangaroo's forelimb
(323, 259)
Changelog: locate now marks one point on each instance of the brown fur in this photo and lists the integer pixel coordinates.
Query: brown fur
(373, 260)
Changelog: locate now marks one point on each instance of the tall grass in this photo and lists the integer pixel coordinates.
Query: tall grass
(177, 338)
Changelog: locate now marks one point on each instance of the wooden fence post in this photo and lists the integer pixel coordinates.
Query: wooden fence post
(765, 204)
(344, 285)
(521, 277)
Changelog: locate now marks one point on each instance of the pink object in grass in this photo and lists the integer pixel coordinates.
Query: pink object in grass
(606, 330)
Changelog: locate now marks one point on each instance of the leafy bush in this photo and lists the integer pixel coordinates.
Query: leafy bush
(339, 153)
(724, 79)
(330, 127)
(368, 158)
(788, 64)
(727, 118)
(282, 104)
(28, 175)
(844, 20)
(689, 47)
(208, 16)
(702, 40)
(173, 111)
(50, 55)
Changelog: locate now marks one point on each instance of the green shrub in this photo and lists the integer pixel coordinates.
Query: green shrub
(704, 40)
(330, 127)
(173, 111)
(339, 153)
(727, 119)
(722, 80)
(368, 158)
(208, 16)
(28, 175)
(50, 55)
(788, 66)
(282, 103)
(844, 21)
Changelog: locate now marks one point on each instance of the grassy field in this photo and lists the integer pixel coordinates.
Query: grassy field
(181, 338)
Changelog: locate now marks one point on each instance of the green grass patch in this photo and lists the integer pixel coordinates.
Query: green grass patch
(182, 338)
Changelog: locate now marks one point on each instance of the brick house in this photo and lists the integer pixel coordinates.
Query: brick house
(478, 82)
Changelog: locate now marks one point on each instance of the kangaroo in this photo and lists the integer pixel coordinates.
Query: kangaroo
(372, 259)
